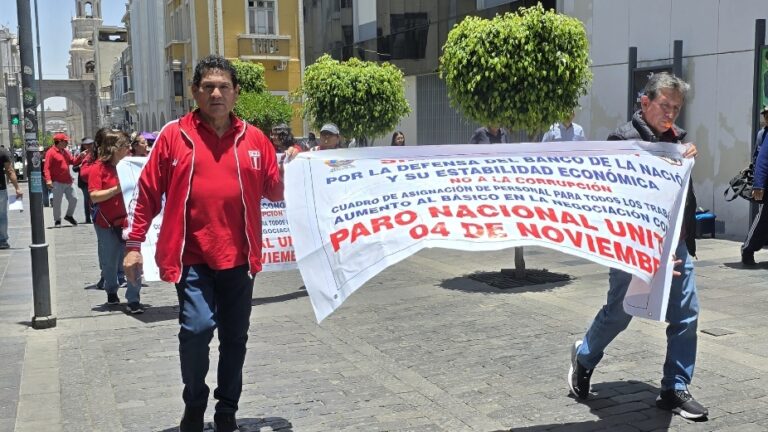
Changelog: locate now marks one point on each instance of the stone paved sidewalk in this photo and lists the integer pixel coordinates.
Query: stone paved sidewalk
(418, 348)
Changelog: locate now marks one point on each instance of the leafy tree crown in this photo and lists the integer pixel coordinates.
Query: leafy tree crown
(263, 110)
(250, 76)
(364, 99)
(522, 70)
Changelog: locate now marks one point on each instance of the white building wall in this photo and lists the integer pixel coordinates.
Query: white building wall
(718, 50)
(408, 124)
(106, 53)
(149, 71)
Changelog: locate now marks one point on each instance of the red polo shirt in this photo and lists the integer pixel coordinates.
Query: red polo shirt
(215, 210)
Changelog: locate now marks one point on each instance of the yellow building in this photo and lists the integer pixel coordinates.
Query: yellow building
(266, 31)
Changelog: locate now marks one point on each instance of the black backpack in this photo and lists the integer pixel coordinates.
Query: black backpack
(741, 185)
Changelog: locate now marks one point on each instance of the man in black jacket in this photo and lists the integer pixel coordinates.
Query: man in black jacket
(660, 106)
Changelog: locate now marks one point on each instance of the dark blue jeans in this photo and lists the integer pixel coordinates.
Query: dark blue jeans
(682, 321)
(209, 299)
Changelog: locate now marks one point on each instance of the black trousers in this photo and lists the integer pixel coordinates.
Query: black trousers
(758, 232)
(86, 201)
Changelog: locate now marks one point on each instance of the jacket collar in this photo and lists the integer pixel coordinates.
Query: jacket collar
(194, 121)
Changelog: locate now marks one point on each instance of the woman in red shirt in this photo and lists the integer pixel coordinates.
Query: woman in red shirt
(110, 215)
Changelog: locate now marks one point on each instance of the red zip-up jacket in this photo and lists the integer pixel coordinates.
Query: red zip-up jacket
(168, 174)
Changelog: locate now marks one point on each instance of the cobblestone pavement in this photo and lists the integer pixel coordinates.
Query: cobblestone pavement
(418, 348)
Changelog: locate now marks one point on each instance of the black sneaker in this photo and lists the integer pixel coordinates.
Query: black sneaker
(578, 375)
(192, 420)
(681, 402)
(225, 422)
(135, 308)
(122, 282)
(71, 220)
(748, 258)
(5, 246)
(113, 299)
(57, 224)
(100, 284)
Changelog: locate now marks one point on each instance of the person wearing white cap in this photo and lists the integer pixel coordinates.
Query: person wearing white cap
(329, 137)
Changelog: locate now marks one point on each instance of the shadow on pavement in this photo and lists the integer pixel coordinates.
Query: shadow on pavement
(279, 298)
(167, 313)
(604, 403)
(150, 315)
(762, 265)
(276, 424)
(464, 283)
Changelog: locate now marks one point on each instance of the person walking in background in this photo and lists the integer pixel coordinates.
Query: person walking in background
(88, 158)
(212, 170)
(110, 216)
(311, 141)
(565, 130)
(330, 137)
(139, 146)
(489, 135)
(59, 180)
(284, 142)
(758, 232)
(10, 174)
(660, 105)
(398, 139)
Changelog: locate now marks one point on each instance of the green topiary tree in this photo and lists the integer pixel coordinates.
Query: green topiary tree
(255, 104)
(364, 99)
(263, 110)
(523, 71)
(250, 76)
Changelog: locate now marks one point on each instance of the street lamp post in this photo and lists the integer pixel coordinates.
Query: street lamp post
(40, 74)
(41, 287)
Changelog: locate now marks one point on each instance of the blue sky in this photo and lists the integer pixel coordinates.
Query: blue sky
(56, 33)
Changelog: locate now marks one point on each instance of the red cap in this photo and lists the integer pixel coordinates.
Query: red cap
(60, 137)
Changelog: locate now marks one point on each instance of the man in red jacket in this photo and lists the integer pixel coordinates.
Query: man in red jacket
(212, 169)
(59, 180)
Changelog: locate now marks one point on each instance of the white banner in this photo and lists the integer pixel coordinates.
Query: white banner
(355, 212)
(277, 252)
(128, 172)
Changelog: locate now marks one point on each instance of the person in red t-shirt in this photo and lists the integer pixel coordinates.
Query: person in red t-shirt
(110, 215)
(211, 170)
(88, 158)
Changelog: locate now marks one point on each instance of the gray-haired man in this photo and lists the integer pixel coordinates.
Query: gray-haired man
(660, 105)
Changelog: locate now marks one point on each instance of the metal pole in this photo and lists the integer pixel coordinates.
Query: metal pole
(41, 287)
(631, 66)
(10, 113)
(759, 42)
(677, 70)
(40, 75)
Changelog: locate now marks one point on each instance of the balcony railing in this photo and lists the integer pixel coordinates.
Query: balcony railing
(263, 47)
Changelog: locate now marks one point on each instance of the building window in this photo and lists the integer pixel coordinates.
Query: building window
(261, 17)
(90, 67)
(409, 36)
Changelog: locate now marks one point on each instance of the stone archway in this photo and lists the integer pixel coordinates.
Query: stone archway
(81, 92)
